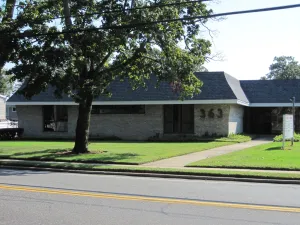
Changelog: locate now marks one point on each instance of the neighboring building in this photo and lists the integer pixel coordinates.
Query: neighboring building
(11, 113)
(2, 107)
(224, 106)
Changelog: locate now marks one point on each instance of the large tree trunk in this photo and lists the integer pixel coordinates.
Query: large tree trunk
(83, 126)
(5, 51)
(9, 10)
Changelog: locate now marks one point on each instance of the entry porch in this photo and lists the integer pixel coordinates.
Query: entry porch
(268, 120)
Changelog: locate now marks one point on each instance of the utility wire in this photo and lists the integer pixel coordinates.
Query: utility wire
(127, 9)
(23, 35)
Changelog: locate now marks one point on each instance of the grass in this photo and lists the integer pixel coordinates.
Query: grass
(267, 156)
(132, 169)
(105, 152)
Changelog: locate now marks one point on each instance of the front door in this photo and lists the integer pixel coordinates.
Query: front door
(258, 120)
(179, 119)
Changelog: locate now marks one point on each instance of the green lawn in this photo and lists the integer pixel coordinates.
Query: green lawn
(103, 152)
(268, 156)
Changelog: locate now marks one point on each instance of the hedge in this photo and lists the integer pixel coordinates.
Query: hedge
(11, 133)
(278, 138)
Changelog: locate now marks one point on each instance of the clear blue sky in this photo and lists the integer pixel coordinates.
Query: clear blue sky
(249, 42)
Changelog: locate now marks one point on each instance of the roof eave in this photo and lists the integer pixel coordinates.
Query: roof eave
(243, 103)
(277, 104)
(168, 102)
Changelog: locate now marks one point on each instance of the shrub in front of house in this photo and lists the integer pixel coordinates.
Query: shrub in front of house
(11, 133)
(279, 138)
(238, 138)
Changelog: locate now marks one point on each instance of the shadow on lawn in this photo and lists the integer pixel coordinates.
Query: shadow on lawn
(274, 149)
(66, 155)
(47, 152)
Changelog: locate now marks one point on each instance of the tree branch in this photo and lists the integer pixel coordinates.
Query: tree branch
(67, 14)
(211, 33)
(219, 57)
(132, 59)
(103, 61)
(186, 44)
(154, 60)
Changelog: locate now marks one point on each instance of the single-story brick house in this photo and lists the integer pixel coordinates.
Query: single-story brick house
(224, 106)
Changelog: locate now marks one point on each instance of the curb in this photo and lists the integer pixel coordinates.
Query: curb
(267, 169)
(157, 175)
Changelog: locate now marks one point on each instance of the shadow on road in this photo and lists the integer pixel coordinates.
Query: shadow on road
(4, 172)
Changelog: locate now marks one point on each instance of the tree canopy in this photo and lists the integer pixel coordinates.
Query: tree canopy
(92, 43)
(5, 85)
(284, 68)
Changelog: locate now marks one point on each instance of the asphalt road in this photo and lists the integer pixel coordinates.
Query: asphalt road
(30, 198)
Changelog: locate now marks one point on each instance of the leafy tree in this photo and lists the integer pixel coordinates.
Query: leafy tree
(200, 68)
(83, 60)
(284, 68)
(5, 84)
(7, 8)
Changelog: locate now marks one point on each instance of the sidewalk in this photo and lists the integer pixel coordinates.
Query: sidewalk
(181, 161)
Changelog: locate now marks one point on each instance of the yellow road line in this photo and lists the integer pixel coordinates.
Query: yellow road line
(151, 199)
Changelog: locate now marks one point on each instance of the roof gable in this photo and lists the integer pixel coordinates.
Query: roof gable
(235, 86)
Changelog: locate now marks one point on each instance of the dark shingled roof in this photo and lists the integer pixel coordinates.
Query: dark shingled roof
(216, 86)
(271, 91)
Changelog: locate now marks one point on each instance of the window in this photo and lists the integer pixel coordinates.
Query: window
(14, 109)
(118, 109)
(55, 118)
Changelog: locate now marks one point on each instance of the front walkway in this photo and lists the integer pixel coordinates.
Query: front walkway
(181, 161)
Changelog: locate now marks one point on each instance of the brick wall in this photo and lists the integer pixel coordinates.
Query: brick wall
(135, 126)
(206, 124)
(31, 119)
(129, 126)
(125, 126)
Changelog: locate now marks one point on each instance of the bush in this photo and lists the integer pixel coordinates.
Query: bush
(11, 133)
(176, 138)
(279, 138)
(236, 137)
